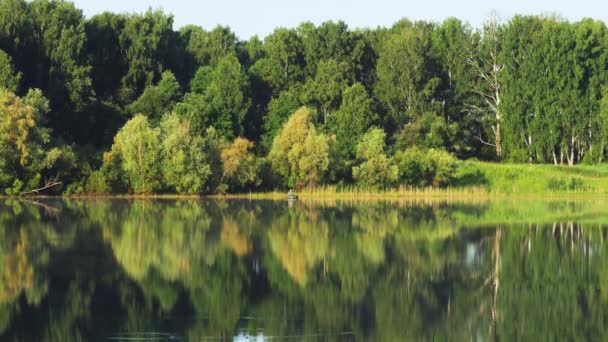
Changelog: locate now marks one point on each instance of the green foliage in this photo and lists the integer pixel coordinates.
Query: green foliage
(97, 184)
(429, 131)
(26, 152)
(212, 145)
(137, 148)
(547, 122)
(377, 170)
(208, 47)
(157, 100)
(145, 40)
(299, 154)
(279, 110)
(310, 159)
(405, 79)
(184, 165)
(219, 98)
(423, 168)
(325, 90)
(239, 164)
(8, 78)
(283, 61)
(528, 90)
(353, 119)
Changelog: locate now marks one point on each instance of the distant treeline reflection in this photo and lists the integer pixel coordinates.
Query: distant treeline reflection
(369, 271)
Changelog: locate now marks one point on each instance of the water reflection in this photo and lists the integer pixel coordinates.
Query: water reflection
(379, 271)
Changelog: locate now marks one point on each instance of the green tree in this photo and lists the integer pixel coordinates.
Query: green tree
(137, 147)
(312, 158)
(62, 72)
(220, 98)
(355, 116)
(330, 40)
(325, 90)
(601, 122)
(376, 169)
(9, 79)
(487, 63)
(451, 42)
(184, 165)
(299, 154)
(159, 99)
(283, 63)
(208, 47)
(108, 61)
(406, 82)
(279, 110)
(146, 42)
(239, 164)
(551, 123)
(26, 153)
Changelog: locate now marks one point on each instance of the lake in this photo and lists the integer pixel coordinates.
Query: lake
(240, 270)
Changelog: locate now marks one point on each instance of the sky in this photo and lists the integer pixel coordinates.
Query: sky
(260, 17)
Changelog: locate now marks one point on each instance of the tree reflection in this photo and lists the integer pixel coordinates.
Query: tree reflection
(371, 271)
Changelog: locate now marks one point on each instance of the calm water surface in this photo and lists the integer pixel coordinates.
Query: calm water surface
(117, 270)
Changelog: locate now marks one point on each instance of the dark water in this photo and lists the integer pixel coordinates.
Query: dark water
(326, 271)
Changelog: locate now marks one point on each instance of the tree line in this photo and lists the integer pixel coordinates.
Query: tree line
(124, 103)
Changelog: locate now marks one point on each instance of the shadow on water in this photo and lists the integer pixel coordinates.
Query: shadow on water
(195, 270)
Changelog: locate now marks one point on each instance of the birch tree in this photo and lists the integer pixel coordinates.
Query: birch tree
(486, 62)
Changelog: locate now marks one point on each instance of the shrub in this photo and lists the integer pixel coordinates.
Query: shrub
(97, 184)
(377, 170)
(418, 167)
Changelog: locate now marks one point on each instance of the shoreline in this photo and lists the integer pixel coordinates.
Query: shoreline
(465, 194)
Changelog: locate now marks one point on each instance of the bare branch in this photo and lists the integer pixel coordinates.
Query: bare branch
(484, 142)
(49, 183)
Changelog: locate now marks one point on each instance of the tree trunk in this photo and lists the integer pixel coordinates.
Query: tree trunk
(554, 158)
(498, 138)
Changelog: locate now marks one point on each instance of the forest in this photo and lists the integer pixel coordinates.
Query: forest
(127, 104)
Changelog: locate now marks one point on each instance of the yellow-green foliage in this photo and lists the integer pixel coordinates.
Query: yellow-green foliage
(137, 144)
(299, 154)
(185, 167)
(377, 170)
(238, 163)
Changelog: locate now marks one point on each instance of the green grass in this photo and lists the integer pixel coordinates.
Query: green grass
(480, 180)
(532, 178)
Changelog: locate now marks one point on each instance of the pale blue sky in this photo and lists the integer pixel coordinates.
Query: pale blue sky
(249, 17)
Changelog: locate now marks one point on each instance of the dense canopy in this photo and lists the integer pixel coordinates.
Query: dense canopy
(532, 89)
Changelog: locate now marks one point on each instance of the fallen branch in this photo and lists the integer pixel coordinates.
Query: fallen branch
(49, 183)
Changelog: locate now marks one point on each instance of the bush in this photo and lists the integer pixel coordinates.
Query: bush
(15, 189)
(377, 170)
(418, 167)
(97, 184)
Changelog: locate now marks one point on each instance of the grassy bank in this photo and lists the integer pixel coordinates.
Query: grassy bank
(471, 180)
(474, 179)
(532, 179)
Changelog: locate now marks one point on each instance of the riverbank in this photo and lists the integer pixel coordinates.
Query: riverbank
(474, 179)
(471, 180)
